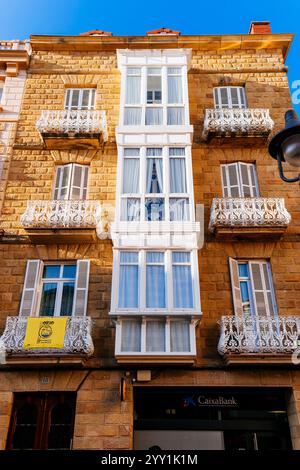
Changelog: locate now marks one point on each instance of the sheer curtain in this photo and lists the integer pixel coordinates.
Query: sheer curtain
(131, 176)
(130, 209)
(154, 116)
(177, 175)
(129, 282)
(133, 86)
(131, 336)
(182, 280)
(154, 183)
(174, 86)
(175, 116)
(155, 281)
(179, 209)
(132, 116)
(155, 336)
(180, 336)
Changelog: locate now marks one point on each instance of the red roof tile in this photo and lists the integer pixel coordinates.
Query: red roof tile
(96, 32)
(163, 31)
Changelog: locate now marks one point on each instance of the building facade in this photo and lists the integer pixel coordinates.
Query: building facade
(141, 209)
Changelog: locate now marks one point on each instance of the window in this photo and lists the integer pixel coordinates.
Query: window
(154, 185)
(1, 90)
(155, 280)
(239, 180)
(154, 336)
(159, 101)
(252, 288)
(55, 289)
(80, 98)
(71, 182)
(230, 97)
(42, 421)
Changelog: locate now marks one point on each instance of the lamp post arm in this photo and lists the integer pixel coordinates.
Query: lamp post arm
(284, 178)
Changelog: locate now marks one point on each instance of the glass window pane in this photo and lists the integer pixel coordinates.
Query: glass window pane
(177, 175)
(155, 287)
(129, 286)
(130, 209)
(177, 152)
(155, 257)
(182, 287)
(155, 209)
(69, 271)
(154, 152)
(154, 182)
(133, 90)
(131, 152)
(51, 271)
(48, 299)
(243, 270)
(67, 299)
(174, 89)
(175, 116)
(129, 257)
(75, 99)
(180, 336)
(154, 116)
(85, 99)
(131, 176)
(181, 257)
(179, 209)
(131, 336)
(153, 89)
(25, 427)
(155, 336)
(132, 116)
(60, 431)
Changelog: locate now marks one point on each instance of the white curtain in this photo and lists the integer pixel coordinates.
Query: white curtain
(180, 336)
(154, 185)
(154, 116)
(131, 336)
(129, 280)
(131, 176)
(179, 209)
(175, 116)
(155, 282)
(155, 336)
(182, 281)
(177, 175)
(130, 209)
(133, 86)
(174, 89)
(132, 116)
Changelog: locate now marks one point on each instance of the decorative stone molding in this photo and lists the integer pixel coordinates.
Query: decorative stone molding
(248, 212)
(239, 122)
(268, 335)
(73, 155)
(78, 338)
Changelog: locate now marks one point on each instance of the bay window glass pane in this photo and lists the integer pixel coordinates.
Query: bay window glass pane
(155, 336)
(175, 116)
(155, 209)
(177, 175)
(154, 116)
(180, 336)
(132, 116)
(133, 86)
(67, 299)
(155, 281)
(131, 175)
(177, 152)
(130, 209)
(154, 183)
(179, 209)
(129, 282)
(182, 281)
(51, 271)
(48, 299)
(153, 85)
(69, 271)
(174, 89)
(131, 152)
(131, 336)
(181, 257)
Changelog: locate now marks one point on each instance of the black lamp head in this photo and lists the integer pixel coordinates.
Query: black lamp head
(286, 143)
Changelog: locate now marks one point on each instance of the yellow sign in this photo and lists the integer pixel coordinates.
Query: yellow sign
(45, 332)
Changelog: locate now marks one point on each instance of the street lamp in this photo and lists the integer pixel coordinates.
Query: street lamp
(285, 146)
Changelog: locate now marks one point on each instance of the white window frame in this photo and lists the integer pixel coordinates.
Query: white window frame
(92, 99)
(166, 194)
(240, 183)
(169, 309)
(70, 186)
(265, 291)
(59, 281)
(241, 93)
(1, 91)
(167, 321)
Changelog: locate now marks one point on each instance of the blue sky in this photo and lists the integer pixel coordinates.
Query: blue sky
(21, 18)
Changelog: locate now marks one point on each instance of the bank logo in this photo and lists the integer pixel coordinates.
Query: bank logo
(202, 400)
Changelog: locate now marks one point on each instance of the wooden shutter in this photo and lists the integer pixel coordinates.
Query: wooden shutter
(262, 286)
(242, 96)
(79, 181)
(31, 287)
(81, 287)
(230, 180)
(216, 98)
(234, 100)
(248, 180)
(62, 182)
(68, 98)
(235, 286)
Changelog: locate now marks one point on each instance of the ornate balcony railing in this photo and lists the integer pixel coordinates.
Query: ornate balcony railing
(226, 122)
(261, 335)
(77, 340)
(72, 123)
(248, 212)
(62, 214)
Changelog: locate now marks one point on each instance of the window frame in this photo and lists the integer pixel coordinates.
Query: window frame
(167, 333)
(142, 264)
(166, 194)
(226, 184)
(164, 105)
(92, 99)
(70, 185)
(241, 93)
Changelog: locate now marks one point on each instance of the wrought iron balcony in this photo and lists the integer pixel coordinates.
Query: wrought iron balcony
(258, 336)
(239, 122)
(65, 128)
(62, 215)
(249, 213)
(78, 340)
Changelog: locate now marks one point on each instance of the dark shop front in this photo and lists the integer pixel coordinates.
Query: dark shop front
(211, 419)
